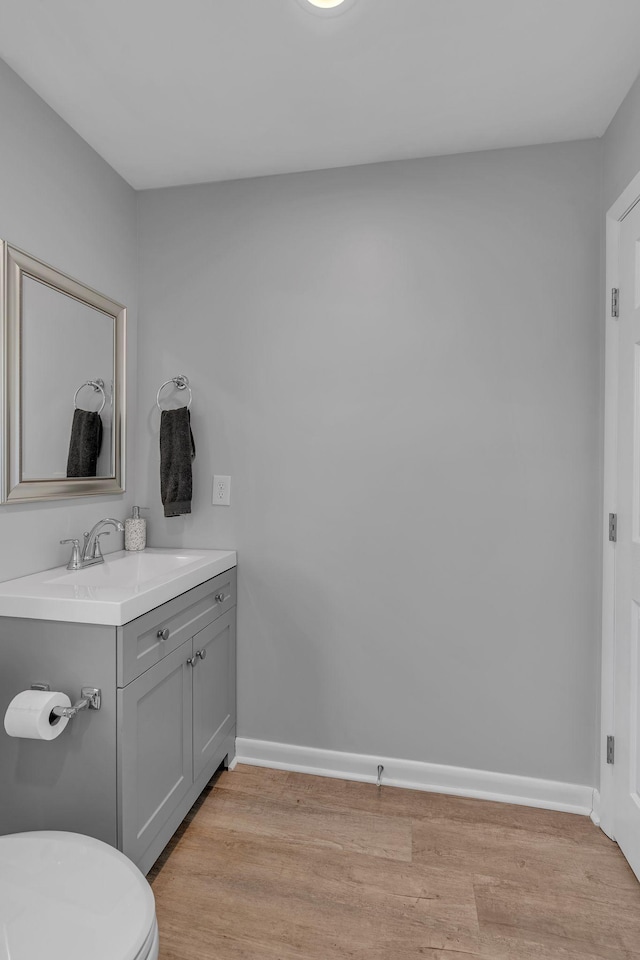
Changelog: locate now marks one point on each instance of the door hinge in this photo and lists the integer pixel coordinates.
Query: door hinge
(615, 302)
(613, 527)
(611, 749)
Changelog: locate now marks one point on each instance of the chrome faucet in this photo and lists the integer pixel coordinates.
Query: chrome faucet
(91, 552)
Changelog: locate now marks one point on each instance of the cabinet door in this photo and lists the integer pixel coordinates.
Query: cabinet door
(156, 748)
(214, 689)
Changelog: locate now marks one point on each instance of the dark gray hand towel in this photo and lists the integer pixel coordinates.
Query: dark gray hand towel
(85, 443)
(177, 451)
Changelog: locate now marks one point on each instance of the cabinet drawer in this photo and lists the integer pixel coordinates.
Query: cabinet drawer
(146, 640)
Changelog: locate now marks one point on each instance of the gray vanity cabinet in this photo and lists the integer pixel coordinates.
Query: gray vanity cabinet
(155, 752)
(214, 690)
(176, 705)
(128, 773)
(176, 721)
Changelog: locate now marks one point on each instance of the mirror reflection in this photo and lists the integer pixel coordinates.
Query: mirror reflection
(63, 403)
(66, 386)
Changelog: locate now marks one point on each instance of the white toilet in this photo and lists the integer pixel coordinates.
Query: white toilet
(64, 896)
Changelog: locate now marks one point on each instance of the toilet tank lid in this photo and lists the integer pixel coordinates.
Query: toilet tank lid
(65, 896)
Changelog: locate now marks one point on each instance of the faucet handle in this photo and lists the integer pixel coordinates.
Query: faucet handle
(74, 563)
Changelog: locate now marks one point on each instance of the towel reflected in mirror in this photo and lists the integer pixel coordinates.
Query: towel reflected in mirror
(85, 443)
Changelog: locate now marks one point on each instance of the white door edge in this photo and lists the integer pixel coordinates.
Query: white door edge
(616, 213)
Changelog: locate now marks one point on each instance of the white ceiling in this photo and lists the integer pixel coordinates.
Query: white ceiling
(199, 90)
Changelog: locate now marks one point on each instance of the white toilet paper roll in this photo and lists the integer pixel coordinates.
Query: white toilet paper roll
(29, 715)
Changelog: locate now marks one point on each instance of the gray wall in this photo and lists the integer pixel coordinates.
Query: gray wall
(396, 364)
(62, 203)
(621, 144)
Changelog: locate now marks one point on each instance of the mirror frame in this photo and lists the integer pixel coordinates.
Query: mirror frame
(14, 265)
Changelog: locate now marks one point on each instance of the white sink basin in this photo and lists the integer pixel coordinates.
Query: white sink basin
(122, 588)
(125, 570)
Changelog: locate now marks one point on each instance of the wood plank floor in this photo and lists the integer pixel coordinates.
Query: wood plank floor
(284, 866)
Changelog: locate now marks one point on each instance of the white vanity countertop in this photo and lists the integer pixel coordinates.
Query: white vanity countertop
(122, 588)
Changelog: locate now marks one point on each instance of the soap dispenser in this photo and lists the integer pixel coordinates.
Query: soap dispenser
(135, 531)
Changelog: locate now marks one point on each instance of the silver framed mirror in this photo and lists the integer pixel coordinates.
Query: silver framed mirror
(62, 403)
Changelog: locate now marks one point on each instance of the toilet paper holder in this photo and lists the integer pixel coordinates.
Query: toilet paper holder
(90, 699)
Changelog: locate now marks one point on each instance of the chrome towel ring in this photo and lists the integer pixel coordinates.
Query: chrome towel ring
(98, 385)
(181, 383)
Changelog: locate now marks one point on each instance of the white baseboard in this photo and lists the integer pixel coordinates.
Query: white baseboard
(415, 775)
(595, 812)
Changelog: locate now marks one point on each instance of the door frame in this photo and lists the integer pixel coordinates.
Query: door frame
(604, 809)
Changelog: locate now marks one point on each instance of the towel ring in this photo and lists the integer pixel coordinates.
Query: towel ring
(181, 383)
(98, 385)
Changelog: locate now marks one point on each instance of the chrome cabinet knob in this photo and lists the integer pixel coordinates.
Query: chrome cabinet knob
(192, 661)
(219, 598)
(163, 634)
(201, 654)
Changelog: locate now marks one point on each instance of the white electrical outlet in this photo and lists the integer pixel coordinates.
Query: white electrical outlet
(222, 491)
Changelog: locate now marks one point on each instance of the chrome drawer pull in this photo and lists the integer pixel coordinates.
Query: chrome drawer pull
(201, 653)
(163, 634)
(219, 598)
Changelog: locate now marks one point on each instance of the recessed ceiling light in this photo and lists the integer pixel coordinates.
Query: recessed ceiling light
(326, 8)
